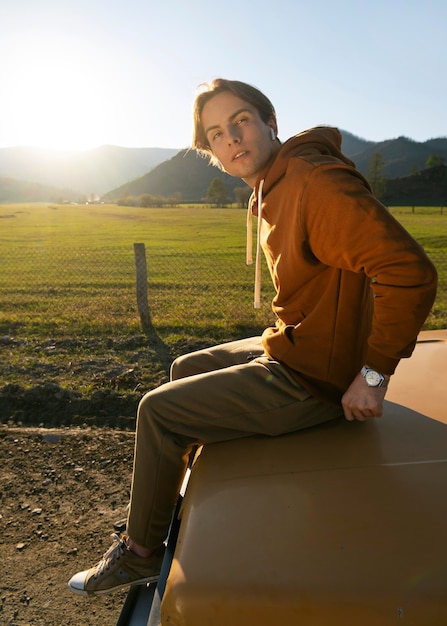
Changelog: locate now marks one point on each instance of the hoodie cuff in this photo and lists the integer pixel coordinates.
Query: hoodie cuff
(380, 362)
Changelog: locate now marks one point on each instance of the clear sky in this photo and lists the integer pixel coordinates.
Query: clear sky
(83, 73)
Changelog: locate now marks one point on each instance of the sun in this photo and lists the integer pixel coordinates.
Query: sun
(56, 95)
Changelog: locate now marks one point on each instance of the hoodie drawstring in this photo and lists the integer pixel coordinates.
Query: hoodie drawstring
(249, 257)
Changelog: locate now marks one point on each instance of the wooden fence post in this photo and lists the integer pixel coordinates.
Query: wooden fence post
(141, 286)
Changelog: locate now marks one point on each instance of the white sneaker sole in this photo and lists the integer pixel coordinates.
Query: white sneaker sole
(77, 582)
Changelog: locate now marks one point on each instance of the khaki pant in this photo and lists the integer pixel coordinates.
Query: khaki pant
(221, 393)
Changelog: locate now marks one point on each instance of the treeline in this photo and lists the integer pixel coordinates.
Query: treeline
(148, 200)
(218, 195)
(424, 187)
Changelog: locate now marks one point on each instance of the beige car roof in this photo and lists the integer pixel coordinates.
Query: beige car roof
(420, 382)
(340, 525)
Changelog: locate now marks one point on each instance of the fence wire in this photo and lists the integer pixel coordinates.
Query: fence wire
(83, 291)
(72, 291)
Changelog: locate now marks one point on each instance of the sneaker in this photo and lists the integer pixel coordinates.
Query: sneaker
(118, 568)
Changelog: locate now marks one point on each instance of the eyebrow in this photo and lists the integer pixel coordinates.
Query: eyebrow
(231, 118)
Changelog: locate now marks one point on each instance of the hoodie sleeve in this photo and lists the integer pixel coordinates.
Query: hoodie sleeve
(348, 228)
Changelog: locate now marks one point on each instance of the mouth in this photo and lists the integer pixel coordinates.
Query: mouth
(239, 155)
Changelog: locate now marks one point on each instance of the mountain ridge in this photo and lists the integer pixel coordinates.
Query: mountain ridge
(92, 171)
(112, 172)
(188, 176)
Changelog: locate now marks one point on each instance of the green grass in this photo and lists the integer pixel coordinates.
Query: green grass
(69, 270)
(68, 312)
(429, 226)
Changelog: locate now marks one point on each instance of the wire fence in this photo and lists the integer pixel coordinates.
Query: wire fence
(69, 291)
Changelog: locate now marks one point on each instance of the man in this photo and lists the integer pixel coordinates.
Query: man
(352, 292)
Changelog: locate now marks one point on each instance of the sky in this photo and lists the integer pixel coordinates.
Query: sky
(77, 74)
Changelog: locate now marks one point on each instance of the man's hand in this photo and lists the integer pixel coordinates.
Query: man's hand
(361, 402)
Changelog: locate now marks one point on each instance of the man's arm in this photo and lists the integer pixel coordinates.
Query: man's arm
(350, 229)
(361, 402)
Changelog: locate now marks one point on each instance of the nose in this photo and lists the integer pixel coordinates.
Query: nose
(233, 135)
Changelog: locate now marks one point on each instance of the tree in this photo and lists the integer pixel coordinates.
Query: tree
(146, 200)
(242, 194)
(217, 193)
(375, 175)
(434, 160)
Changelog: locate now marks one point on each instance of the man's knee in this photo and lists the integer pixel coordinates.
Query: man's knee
(151, 409)
(179, 368)
(187, 365)
(144, 405)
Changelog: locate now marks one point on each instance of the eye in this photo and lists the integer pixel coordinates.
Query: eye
(241, 120)
(216, 135)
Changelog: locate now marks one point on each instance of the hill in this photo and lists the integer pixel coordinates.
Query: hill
(116, 172)
(87, 172)
(401, 156)
(12, 190)
(352, 145)
(425, 188)
(186, 175)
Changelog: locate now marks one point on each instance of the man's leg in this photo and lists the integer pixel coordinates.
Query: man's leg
(126, 562)
(254, 397)
(242, 395)
(197, 362)
(217, 357)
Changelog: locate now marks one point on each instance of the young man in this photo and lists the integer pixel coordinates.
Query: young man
(352, 292)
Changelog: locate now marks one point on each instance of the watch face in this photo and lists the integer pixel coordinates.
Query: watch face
(373, 378)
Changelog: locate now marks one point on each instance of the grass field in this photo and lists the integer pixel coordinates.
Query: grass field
(70, 270)
(68, 312)
(429, 227)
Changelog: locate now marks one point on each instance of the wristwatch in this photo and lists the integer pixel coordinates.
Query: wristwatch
(372, 378)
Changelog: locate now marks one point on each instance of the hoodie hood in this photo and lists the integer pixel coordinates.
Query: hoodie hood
(316, 145)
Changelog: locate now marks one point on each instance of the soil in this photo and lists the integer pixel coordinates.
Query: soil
(61, 492)
(67, 423)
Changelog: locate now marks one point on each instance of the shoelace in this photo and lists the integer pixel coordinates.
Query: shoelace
(115, 552)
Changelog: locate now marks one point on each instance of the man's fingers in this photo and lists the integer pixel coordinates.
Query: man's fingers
(362, 415)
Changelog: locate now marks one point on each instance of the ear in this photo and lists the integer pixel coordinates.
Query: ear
(273, 125)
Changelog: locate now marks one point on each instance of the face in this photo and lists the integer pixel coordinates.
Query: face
(237, 136)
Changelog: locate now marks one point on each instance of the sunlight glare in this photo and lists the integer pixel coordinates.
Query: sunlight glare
(56, 93)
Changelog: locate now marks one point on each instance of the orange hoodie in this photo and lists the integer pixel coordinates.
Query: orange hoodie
(352, 286)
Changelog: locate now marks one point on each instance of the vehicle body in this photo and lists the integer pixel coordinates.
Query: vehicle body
(339, 525)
